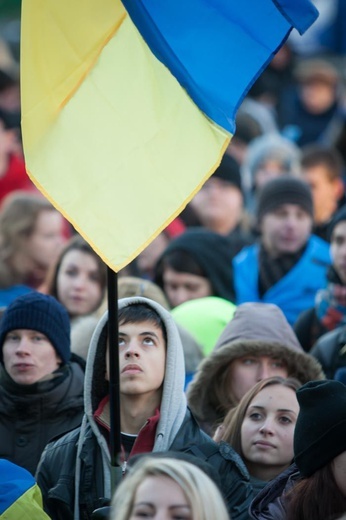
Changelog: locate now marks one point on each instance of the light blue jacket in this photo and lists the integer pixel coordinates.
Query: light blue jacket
(296, 291)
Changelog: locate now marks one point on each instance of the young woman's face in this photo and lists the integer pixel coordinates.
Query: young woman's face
(44, 244)
(160, 498)
(79, 283)
(267, 431)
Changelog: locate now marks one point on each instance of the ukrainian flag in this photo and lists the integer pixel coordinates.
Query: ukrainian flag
(20, 496)
(128, 107)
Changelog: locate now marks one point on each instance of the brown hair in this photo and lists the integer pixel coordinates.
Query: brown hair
(318, 155)
(75, 243)
(317, 497)
(235, 417)
(19, 212)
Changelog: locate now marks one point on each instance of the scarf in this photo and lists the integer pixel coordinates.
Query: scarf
(272, 269)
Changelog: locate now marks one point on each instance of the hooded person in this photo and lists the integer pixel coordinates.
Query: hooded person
(74, 472)
(257, 343)
(315, 485)
(268, 156)
(197, 263)
(41, 384)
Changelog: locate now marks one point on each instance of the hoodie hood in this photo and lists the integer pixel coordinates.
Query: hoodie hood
(257, 329)
(270, 146)
(173, 403)
(212, 252)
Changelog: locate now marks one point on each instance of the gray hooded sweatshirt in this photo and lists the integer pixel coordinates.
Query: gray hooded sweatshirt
(74, 471)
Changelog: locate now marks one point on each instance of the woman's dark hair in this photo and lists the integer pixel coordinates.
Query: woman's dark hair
(180, 261)
(316, 497)
(75, 243)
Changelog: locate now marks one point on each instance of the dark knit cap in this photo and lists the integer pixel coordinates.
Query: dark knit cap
(40, 312)
(337, 218)
(229, 171)
(284, 190)
(320, 432)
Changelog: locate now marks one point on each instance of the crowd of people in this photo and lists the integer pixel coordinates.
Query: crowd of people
(231, 325)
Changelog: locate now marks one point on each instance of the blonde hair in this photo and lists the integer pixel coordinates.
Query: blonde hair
(202, 494)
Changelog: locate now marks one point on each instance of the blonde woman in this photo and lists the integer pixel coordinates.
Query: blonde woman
(168, 488)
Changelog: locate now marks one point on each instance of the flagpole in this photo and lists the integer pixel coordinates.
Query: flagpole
(114, 383)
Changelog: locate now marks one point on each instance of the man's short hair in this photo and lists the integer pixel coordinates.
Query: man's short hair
(140, 312)
(330, 158)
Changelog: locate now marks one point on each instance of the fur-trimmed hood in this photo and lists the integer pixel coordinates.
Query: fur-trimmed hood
(257, 329)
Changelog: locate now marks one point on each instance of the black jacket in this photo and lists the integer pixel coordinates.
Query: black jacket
(58, 467)
(74, 472)
(330, 350)
(308, 328)
(31, 415)
(270, 503)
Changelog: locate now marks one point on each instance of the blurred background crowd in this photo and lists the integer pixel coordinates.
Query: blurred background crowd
(253, 270)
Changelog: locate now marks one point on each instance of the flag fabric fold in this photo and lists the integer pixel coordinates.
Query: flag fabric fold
(217, 49)
(125, 114)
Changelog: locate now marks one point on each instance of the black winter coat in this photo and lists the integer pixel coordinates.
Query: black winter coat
(330, 350)
(31, 415)
(270, 503)
(57, 469)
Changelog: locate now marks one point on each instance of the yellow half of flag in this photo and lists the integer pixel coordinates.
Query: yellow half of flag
(110, 136)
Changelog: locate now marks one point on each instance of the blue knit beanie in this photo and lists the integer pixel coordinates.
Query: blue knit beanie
(36, 311)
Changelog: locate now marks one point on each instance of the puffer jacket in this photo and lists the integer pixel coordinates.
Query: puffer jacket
(295, 291)
(74, 473)
(31, 415)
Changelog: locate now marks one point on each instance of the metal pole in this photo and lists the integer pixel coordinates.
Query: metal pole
(114, 383)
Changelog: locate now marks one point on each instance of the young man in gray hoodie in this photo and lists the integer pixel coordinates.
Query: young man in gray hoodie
(74, 472)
